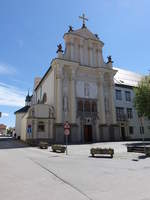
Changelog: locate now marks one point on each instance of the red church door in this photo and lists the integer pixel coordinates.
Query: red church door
(87, 133)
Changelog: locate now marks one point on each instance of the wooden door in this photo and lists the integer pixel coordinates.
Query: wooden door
(87, 133)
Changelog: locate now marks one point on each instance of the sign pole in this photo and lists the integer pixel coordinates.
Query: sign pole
(66, 144)
(66, 132)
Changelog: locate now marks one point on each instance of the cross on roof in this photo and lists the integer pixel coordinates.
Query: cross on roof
(84, 19)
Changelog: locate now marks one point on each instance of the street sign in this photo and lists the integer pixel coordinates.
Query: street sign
(29, 129)
(66, 125)
(67, 131)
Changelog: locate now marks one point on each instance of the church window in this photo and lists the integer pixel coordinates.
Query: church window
(80, 106)
(41, 126)
(40, 93)
(44, 98)
(87, 106)
(86, 90)
(94, 107)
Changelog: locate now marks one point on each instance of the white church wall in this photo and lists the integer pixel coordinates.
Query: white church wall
(24, 127)
(41, 111)
(47, 86)
(18, 123)
(86, 89)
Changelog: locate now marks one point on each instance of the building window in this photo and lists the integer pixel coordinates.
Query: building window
(131, 130)
(128, 95)
(118, 95)
(40, 93)
(44, 98)
(41, 127)
(120, 114)
(86, 90)
(80, 106)
(87, 106)
(94, 106)
(141, 129)
(129, 113)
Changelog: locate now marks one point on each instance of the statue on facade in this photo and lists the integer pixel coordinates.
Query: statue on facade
(109, 59)
(96, 35)
(59, 48)
(70, 29)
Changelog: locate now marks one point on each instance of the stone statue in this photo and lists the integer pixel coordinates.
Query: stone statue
(70, 29)
(96, 35)
(59, 48)
(109, 59)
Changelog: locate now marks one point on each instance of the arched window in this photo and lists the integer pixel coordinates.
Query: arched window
(80, 106)
(44, 98)
(41, 126)
(87, 106)
(94, 106)
(86, 90)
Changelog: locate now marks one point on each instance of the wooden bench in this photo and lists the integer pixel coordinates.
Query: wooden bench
(43, 145)
(103, 151)
(58, 148)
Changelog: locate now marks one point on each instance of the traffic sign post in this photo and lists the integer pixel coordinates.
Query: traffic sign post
(66, 132)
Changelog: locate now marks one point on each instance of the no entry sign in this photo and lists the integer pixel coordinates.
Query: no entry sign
(67, 131)
(66, 125)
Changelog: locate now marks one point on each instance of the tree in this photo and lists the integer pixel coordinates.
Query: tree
(142, 97)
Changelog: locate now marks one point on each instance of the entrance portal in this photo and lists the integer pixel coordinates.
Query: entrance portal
(123, 133)
(87, 133)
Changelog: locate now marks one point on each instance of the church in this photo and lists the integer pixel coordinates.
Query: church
(79, 88)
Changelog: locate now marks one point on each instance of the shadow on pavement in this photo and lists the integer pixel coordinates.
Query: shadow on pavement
(11, 143)
(100, 157)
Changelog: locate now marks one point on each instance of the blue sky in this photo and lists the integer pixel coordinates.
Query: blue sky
(31, 29)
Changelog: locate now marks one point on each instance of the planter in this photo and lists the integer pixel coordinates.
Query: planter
(103, 151)
(43, 145)
(58, 148)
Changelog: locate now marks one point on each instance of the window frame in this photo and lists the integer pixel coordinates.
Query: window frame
(128, 96)
(118, 94)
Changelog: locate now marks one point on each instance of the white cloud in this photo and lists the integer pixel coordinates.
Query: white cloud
(11, 96)
(7, 69)
(5, 114)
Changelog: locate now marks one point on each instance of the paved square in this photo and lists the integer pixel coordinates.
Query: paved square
(32, 173)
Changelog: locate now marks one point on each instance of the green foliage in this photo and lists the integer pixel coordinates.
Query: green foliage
(142, 97)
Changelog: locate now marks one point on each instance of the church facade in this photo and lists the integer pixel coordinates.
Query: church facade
(79, 88)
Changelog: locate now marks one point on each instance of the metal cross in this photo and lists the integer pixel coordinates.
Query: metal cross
(84, 19)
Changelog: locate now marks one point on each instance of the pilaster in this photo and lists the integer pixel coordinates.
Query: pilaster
(73, 97)
(101, 106)
(59, 77)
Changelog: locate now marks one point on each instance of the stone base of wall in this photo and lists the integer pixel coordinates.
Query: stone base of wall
(109, 133)
(35, 142)
(60, 138)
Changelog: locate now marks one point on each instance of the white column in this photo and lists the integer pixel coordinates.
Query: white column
(112, 103)
(91, 54)
(101, 105)
(72, 49)
(73, 97)
(81, 51)
(59, 95)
